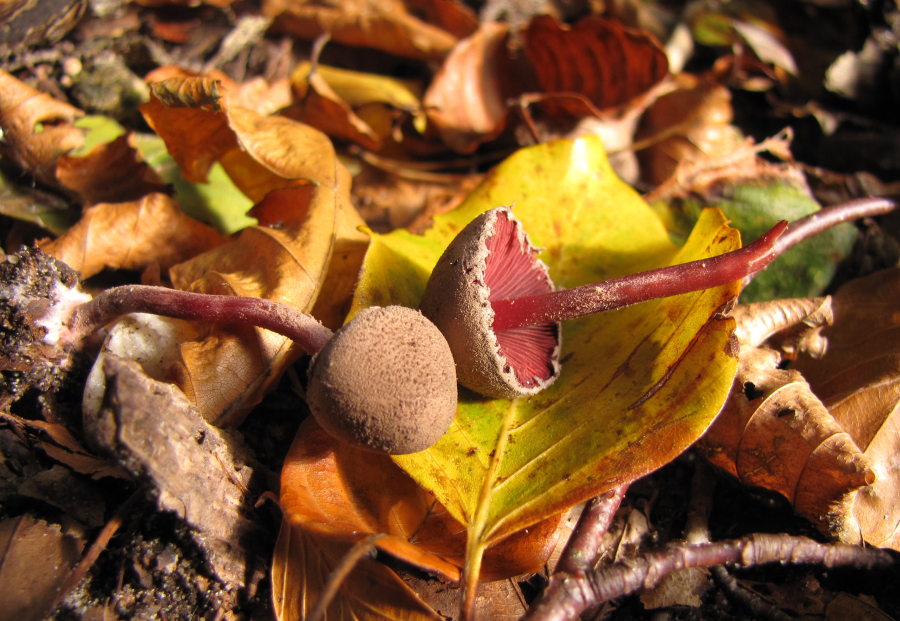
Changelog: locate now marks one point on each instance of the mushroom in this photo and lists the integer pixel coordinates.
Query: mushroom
(495, 303)
(385, 382)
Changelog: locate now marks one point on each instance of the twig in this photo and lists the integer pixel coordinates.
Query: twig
(580, 589)
(582, 549)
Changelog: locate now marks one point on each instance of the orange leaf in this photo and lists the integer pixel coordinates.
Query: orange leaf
(132, 236)
(380, 24)
(598, 58)
(113, 172)
(464, 100)
(36, 128)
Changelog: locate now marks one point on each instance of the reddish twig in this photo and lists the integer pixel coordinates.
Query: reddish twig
(581, 589)
(582, 549)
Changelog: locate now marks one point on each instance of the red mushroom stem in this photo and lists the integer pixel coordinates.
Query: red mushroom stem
(628, 290)
(222, 309)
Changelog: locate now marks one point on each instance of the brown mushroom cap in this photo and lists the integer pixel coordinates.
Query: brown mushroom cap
(492, 258)
(385, 382)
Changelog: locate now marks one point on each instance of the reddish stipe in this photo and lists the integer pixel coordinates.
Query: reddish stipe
(533, 310)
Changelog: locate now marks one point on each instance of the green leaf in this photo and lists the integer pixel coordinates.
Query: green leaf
(218, 202)
(638, 385)
(805, 270)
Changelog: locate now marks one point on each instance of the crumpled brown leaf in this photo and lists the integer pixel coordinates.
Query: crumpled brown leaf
(465, 100)
(775, 433)
(37, 129)
(858, 379)
(334, 495)
(382, 24)
(132, 236)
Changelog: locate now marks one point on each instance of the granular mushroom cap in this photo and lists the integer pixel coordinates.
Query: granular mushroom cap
(385, 382)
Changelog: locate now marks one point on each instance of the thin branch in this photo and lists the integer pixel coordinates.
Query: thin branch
(580, 589)
(582, 549)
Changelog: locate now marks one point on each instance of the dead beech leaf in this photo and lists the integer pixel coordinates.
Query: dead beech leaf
(132, 236)
(334, 495)
(688, 124)
(465, 101)
(380, 24)
(775, 433)
(113, 172)
(858, 378)
(600, 59)
(188, 92)
(36, 128)
(35, 560)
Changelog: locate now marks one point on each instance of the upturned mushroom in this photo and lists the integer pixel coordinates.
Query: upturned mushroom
(494, 301)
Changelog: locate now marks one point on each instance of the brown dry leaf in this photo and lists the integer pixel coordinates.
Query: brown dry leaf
(465, 100)
(113, 172)
(858, 378)
(188, 92)
(36, 128)
(599, 59)
(35, 560)
(691, 123)
(334, 495)
(775, 433)
(381, 24)
(132, 236)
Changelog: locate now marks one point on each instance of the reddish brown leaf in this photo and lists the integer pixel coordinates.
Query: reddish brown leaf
(36, 128)
(113, 172)
(188, 92)
(598, 58)
(132, 236)
(464, 100)
(381, 24)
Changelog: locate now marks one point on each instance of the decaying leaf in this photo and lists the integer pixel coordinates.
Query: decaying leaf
(188, 92)
(334, 495)
(37, 129)
(382, 24)
(599, 59)
(35, 560)
(858, 379)
(201, 473)
(132, 236)
(666, 366)
(775, 433)
(465, 100)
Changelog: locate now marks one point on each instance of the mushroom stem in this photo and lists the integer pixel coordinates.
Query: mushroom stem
(628, 290)
(223, 309)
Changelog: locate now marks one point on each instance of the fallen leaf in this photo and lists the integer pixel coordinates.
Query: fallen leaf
(111, 173)
(689, 124)
(599, 59)
(132, 236)
(35, 560)
(858, 379)
(465, 100)
(666, 365)
(46, 210)
(775, 433)
(59, 488)
(334, 496)
(380, 24)
(37, 129)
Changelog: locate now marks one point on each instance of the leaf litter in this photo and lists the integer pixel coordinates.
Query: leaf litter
(501, 481)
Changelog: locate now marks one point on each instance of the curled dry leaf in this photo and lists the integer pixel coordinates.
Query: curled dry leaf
(183, 92)
(775, 433)
(334, 496)
(691, 123)
(599, 59)
(381, 24)
(37, 129)
(858, 379)
(465, 101)
(113, 172)
(132, 236)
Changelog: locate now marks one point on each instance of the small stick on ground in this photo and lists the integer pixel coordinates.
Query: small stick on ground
(582, 550)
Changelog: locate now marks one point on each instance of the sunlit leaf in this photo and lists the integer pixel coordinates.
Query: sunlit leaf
(638, 386)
